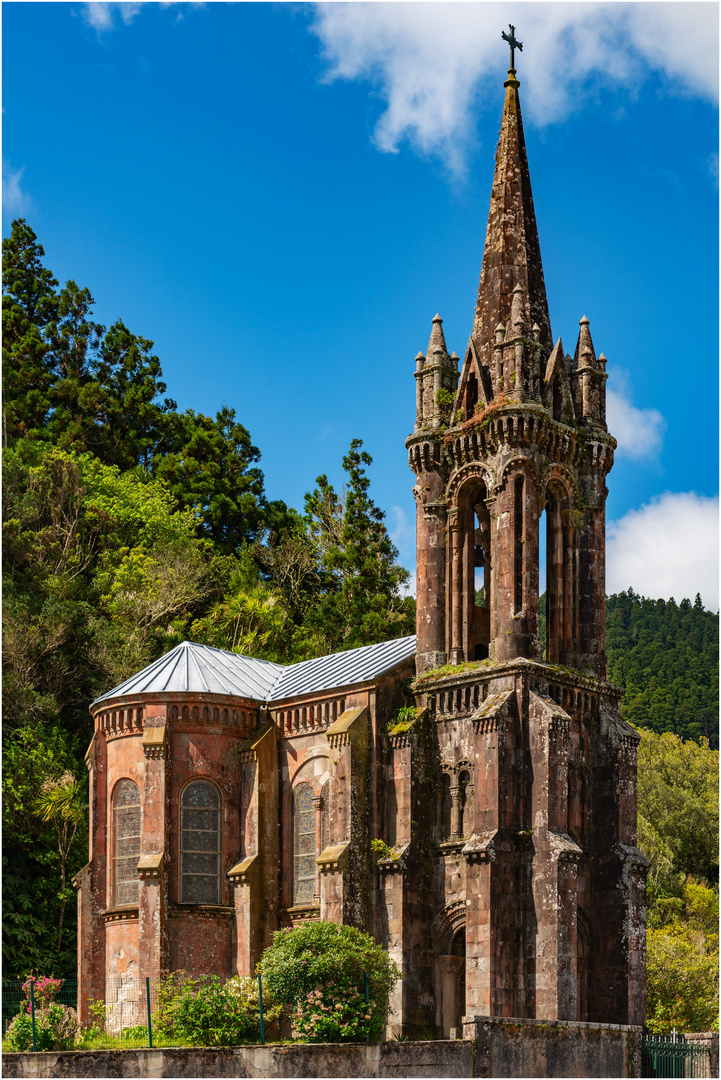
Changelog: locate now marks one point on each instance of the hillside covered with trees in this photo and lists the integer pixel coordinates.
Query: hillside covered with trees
(129, 525)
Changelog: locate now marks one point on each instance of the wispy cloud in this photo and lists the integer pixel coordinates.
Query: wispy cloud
(15, 200)
(102, 16)
(402, 532)
(639, 431)
(431, 62)
(668, 547)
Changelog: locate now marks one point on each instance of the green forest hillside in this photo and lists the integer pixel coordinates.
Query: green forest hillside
(129, 525)
(666, 657)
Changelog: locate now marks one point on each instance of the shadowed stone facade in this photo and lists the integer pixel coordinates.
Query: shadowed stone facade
(222, 811)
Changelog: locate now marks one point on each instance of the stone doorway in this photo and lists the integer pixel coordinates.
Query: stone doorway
(451, 987)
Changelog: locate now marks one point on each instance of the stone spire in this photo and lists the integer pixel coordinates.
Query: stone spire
(512, 254)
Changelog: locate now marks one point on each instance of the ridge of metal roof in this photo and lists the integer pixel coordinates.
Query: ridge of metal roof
(201, 669)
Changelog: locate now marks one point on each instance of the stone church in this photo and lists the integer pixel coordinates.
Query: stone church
(231, 796)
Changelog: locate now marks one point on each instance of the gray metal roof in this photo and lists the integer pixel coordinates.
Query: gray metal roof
(200, 669)
(342, 669)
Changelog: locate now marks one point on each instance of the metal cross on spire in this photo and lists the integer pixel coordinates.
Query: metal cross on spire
(511, 39)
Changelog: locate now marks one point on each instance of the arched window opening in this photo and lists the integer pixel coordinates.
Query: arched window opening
(304, 851)
(471, 395)
(126, 843)
(200, 843)
(446, 807)
(325, 816)
(518, 545)
(542, 594)
(464, 801)
(559, 575)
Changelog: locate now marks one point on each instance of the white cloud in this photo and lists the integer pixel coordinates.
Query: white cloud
(668, 547)
(430, 61)
(101, 15)
(639, 431)
(402, 532)
(15, 200)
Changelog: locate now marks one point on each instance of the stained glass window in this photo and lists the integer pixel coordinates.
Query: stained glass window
(200, 844)
(304, 849)
(325, 816)
(126, 838)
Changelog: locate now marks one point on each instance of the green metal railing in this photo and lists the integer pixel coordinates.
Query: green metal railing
(673, 1056)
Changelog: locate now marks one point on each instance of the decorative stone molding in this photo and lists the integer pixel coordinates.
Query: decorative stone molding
(240, 873)
(481, 848)
(334, 858)
(563, 848)
(394, 864)
(150, 867)
(341, 730)
(201, 911)
(249, 749)
(127, 914)
(154, 741)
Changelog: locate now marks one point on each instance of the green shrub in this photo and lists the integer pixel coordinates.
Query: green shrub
(207, 1012)
(55, 1029)
(317, 972)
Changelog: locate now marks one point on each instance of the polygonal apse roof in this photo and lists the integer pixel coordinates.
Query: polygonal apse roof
(199, 669)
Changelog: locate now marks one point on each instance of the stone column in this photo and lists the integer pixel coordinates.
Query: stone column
(255, 877)
(344, 864)
(430, 571)
(455, 529)
(153, 846)
(91, 885)
(592, 573)
(554, 864)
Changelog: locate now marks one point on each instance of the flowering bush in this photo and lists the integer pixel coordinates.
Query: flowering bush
(45, 990)
(317, 972)
(55, 1029)
(322, 1017)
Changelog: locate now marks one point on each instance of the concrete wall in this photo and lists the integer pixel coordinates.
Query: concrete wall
(499, 1048)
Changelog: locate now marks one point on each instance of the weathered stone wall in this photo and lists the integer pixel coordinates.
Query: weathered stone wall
(497, 1049)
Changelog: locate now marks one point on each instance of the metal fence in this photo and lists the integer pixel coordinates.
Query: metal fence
(672, 1055)
(117, 1012)
(128, 1012)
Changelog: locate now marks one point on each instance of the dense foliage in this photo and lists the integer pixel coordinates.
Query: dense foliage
(317, 971)
(127, 527)
(678, 825)
(665, 656)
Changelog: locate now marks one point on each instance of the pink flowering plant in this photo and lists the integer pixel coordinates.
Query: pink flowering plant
(45, 989)
(317, 972)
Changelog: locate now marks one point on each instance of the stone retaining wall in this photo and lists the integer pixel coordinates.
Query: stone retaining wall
(497, 1048)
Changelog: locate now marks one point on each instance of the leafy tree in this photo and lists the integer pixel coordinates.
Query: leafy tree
(30, 303)
(361, 600)
(132, 421)
(61, 801)
(678, 832)
(678, 794)
(682, 946)
(210, 466)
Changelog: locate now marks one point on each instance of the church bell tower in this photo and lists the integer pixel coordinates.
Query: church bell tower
(554, 884)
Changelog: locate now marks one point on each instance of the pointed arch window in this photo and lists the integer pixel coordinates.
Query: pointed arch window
(126, 843)
(200, 843)
(304, 849)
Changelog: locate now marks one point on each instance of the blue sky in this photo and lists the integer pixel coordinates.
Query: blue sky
(282, 196)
